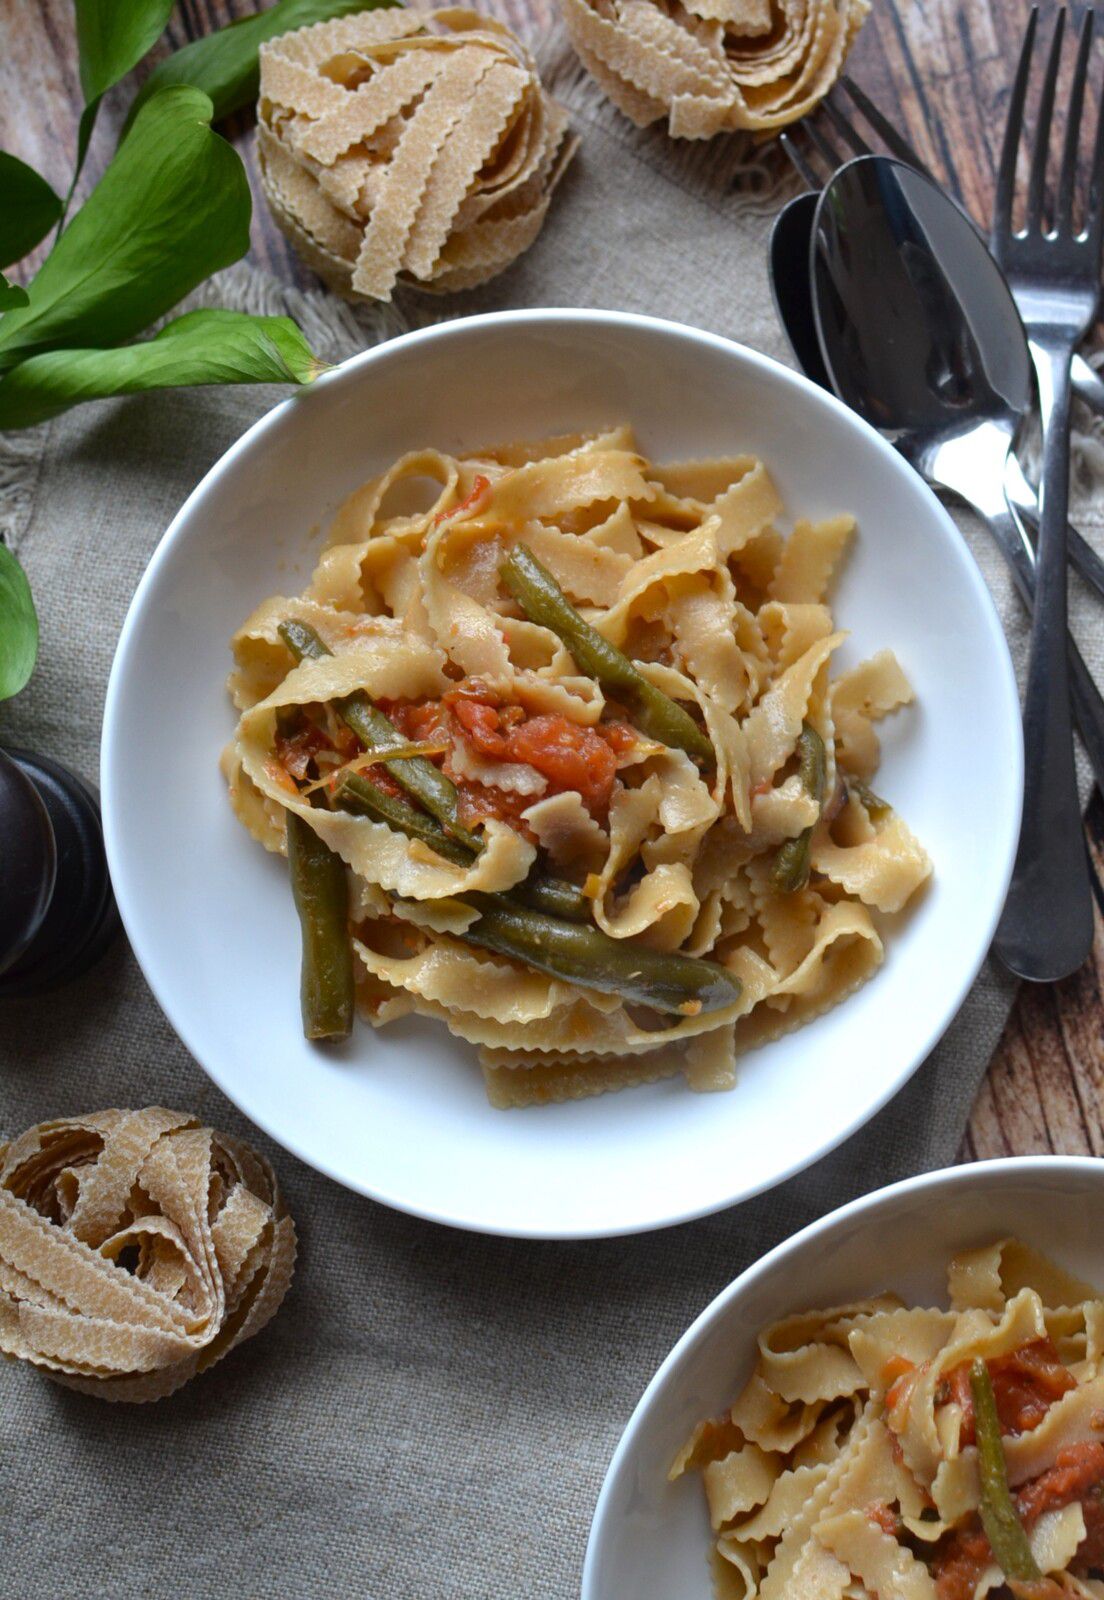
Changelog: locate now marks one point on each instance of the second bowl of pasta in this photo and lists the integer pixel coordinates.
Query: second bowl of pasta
(904, 1401)
(610, 731)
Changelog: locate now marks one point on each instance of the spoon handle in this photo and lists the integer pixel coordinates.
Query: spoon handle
(1046, 930)
(1023, 498)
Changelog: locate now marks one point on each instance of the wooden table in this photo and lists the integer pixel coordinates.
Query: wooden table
(945, 66)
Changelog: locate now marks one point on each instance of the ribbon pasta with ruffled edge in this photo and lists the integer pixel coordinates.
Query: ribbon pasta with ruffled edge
(407, 145)
(136, 1249)
(848, 1464)
(559, 774)
(714, 66)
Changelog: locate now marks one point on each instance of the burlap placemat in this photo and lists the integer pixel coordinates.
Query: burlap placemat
(431, 1413)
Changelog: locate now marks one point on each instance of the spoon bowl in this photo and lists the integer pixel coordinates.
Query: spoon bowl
(789, 279)
(916, 327)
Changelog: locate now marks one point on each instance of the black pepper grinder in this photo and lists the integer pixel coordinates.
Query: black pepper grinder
(57, 911)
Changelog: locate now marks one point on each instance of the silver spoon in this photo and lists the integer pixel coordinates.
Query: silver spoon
(920, 335)
(793, 299)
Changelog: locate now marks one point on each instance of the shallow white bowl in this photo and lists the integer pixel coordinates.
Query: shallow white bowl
(650, 1539)
(401, 1114)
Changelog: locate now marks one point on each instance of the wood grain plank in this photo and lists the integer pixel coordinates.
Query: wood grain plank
(943, 68)
(1045, 1086)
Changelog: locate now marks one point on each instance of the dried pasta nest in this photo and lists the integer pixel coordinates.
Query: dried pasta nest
(714, 66)
(136, 1249)
(407, 146)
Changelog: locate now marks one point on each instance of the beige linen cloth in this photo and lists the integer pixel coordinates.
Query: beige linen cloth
(430, 1415)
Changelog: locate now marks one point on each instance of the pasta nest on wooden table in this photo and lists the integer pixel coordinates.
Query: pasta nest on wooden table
(136, 1249)
(714, 66)
(407, 146)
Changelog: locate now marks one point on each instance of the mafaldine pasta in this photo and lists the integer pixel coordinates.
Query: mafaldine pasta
(912, 1453)
(564, 724)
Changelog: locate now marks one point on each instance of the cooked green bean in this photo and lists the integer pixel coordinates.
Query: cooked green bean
(655, 713)
(355, 792)
(553, 895)
(999, 1518)
(586, 956)
(876, 807)
(790, 870)
(319, 886)
(377, 732)
(539, 932)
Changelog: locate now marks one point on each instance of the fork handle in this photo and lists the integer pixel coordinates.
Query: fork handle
(1046, 930)
(1022, 497)
(1009, 530)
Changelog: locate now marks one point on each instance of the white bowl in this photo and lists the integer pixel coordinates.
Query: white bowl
(650, 1538)
(401, 1114)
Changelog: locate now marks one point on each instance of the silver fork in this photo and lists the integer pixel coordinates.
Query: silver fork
(1055, 274)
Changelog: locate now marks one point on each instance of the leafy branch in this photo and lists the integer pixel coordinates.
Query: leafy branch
(172, 207)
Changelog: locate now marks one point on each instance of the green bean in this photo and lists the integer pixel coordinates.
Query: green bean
(320, 890)
(1002, 1525)
(544, 932)
(543, 601)
(876, 807)
(448, 837)
(376, 732)
(358, 793)
(555, 896)
(790, 870)
(672, 983)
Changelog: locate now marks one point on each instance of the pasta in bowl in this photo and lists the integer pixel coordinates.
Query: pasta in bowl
(902, 1402)
(553, 728)
(400, 1111)
(938, 1453)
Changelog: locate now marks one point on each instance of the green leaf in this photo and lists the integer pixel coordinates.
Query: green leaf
(12, 295)
(172, 208)
(200, 347)
(28, 208)
(18, 626)
(112, 37)
(224, 64)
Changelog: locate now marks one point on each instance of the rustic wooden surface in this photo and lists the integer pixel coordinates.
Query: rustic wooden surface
(944, 67)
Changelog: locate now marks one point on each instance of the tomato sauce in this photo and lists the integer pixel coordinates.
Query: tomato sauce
(479, 488)
(886, 1519)
(958, 1567)
(1026, 1383)
(295, 751)
(1077, 1474)
(567, 755)
(1078, 1470)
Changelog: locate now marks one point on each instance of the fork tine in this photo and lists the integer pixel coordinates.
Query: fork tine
(1095, 213)
(894, 142)
(1036, 184)
(824, 147)
(1063, 215)
(1013, 128)
(851, 135)
(802, 167)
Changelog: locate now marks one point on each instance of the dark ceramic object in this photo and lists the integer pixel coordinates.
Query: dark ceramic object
(57, 911)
